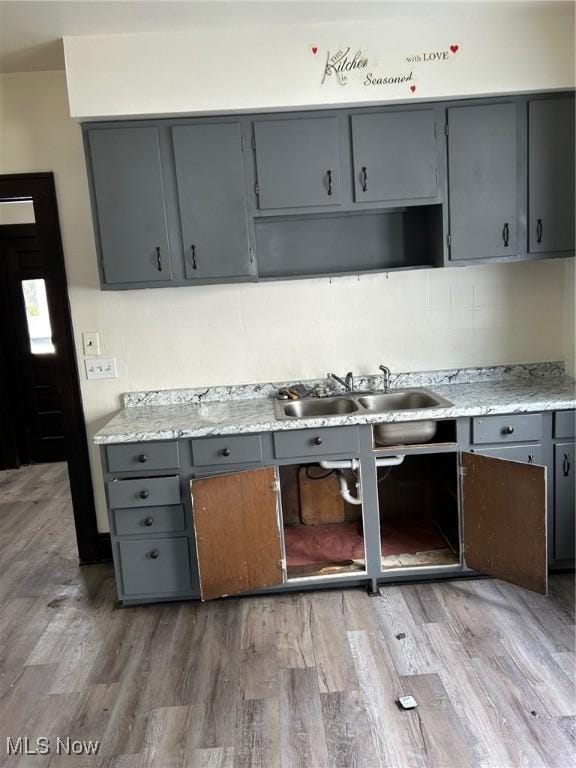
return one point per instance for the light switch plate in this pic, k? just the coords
(101, 368)
(91, 343)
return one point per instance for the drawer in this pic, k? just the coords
(132, 456)
(515, 428)
(565, 424)
(237, 449)
(316, 442)
(154, 566)
(148, 520)
(144, 492)
(529, 454)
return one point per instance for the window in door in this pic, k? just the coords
(38, 317)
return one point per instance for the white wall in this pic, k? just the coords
(503, 47)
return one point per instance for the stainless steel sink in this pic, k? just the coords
(388, 433)
(330, 406)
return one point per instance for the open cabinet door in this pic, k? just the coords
(238, 538)
(504, 520)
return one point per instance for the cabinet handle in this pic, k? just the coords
(142, 458)
(506, 235)
(317, 441)
(154, 554)
(530, 459)
(149, 522)
(539, 231)
(193, 249)
(329, 174)
(508, 430)
(364, 179)
(144, 494)
(225, 451)
(566, 465)
(158, 259)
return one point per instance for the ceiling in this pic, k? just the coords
(31, 31)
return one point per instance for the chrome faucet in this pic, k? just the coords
(347, 382)
(385, 378)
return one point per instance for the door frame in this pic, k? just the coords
(93, 546)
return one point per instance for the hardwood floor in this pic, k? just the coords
(294, 680)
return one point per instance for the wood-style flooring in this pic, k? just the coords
(298, 681)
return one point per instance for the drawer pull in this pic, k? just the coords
(508, 430)
(144, 494)
(566, 465)
(154, 554)
(317, 441)
(530, 459)
(149, 522)
(364, 178)
(142, 458)
(225, 451)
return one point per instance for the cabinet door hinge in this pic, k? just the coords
(253, 142)
(242, 143)
(449, 240)
(462, 471)
(251, 252)
(436, 176)
(276, 486)
(257, 189)
(445, 129)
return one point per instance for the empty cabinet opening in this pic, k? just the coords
(348, 243)
(418, 507)
(323, 529)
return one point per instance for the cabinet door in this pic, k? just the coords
(211, 196)
(394, 156)
(504, 520)
(237, 525)
(129, 203)
(483, 182)
(298, 162)
(564, 501)
(551, 175)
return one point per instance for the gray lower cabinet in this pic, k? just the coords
(211, 199)
(394, 155)
(483, 181)
(298, 162)
(551, 180)
(129, 205)
(564, 501)
(154, 566)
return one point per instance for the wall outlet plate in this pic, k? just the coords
(101, 368)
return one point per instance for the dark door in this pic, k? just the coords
(394, 156)
(211, 197)
(298, 162)
(504, 520)
(31, 371)
(237, 527)
(564, 501)
(129, 201)
(551, 175)
(482, 176)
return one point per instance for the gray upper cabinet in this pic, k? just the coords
(483, 182)
(551, 200)
(394, 156)
(128, 197)
(211, 198)
(298, 162)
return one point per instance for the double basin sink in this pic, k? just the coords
(387, 433)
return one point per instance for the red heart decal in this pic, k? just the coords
(314, 50)
(412, 88)
(454, 48)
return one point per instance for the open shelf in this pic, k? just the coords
(330, 244)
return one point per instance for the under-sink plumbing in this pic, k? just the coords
(354, 464)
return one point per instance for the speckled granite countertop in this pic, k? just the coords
(476, 392)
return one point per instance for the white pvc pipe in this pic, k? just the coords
(389, 461)
(345, 491)
(345, 464)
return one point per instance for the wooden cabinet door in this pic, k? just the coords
(482, 176)
(129, 205)
(394, 156)
(298, 162)
(238, 535)
(504, 520)
(211, 197)
(564, 501)
(551, 180)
